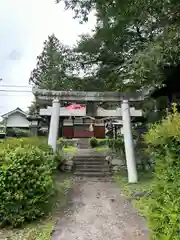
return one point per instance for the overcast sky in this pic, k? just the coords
(24, 25)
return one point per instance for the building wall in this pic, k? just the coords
(68, 132)
(81, 131)
(17, 120)
(99, 131)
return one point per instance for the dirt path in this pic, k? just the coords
(99, 212)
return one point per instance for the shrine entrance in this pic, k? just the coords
(83, 129)
(92, 98)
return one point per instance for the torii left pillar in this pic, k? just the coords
(128, 142)
(54, 124)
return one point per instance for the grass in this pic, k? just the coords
(69, 152)
(101, 148)
(42, 229)
(70, 149)
(144, 184)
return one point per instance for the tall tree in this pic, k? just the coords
(33, 108)
(51, 71)
(135, 32)
(59, 68)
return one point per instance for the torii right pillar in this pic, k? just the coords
(129, 144)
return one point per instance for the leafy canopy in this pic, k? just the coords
(137, 34)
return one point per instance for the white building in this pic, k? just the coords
(16, 119)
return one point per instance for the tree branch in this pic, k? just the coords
(141, 38)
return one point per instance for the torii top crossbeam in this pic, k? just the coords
(47, 95)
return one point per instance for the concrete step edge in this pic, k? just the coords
(91, 170)
(92, 173)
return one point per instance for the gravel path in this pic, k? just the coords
(99, 212)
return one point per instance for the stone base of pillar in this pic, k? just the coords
(34, 131)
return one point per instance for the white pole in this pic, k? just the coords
(54, 124)
(128, 141)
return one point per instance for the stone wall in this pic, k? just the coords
(117, 162)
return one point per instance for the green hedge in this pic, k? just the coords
(117, 145)
(95, 142)
(41, 143)
(102, 142)
(26, 184)
(17, 132)
(163, 140)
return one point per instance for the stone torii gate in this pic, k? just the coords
(46, 96)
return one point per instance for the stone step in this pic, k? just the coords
(92, 174)
(93, 162)
(90, 157)
(92, 166)
(84, 145)
(80, 179)
(92, 170)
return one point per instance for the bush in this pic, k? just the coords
(26, 184)
(163, 140)
(101, 142)
(93, 142)
(116, 144)
(17, 132)
(64, 143)
(41, 143)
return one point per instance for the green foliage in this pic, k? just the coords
(26, 184)
(64, 143)
(33, 108)
(57, 68)
(151, 65)
(42, 229)
(116, 144)
(128, 43)
(35, 141)
(17, 132)
(93, 142)
(163, 140)
(51, 158)
(101, 142)
(50, 72)
(144, 185)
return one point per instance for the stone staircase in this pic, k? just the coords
(90, 163)
(83, 143)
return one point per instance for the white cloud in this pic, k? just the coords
(24, 25)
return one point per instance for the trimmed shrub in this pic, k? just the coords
(26, 184)
(102, 142)
(41, 143)
(93, 142)
(17, 132)
(163, 141)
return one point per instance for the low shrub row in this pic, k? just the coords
(94, 142)
(144, 161)
(17, 132)
(26, 179)
(116, 144)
